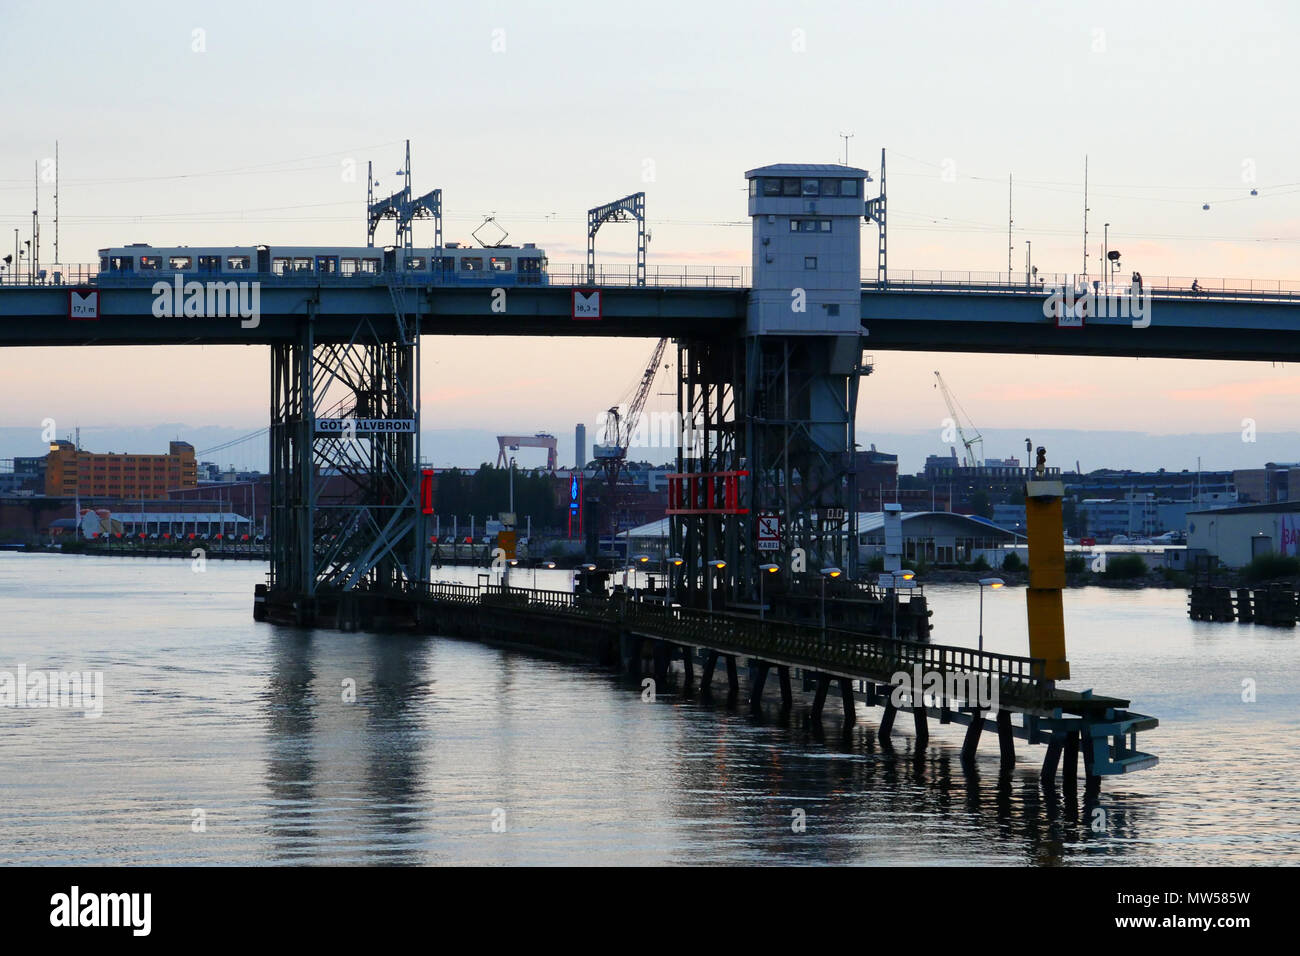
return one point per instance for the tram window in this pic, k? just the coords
(301, 265)
(180, 262)
(151, 262)
(279, 266)
(848, 187)
(209, 263)
(348, 266)
(530, 265)
(122, 263)
(830, 187)
(500, 264)
(471, 264)
(753, 187)
(370, 266)
(823, 225)
(789, 187)
(810, 188)
(445, 264)
(103, 263)
(237, 263)
(771, 186)
(415, 262)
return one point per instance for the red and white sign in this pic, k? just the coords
(83, 304)
(769, 532)
(586, 303)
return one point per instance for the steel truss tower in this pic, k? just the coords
(345, 512)
(774, 417)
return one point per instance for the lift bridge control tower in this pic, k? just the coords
(778, 404)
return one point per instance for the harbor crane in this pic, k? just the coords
(621, 421)
(971, 459)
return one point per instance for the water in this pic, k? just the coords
(208, 711)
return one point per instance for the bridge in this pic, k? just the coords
(769, 361)
(1240, 319)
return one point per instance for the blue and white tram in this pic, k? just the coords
(453, 263)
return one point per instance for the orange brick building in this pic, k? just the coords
(69, 471)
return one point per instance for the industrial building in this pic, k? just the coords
(938, 537)
(1237, 535)
(70, 471)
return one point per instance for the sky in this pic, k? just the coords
(244, 123)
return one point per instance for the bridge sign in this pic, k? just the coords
(83, 304)
(586, 303)
(365, 426)
(769, 532)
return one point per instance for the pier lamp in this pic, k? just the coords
(716, 565)
(900, 578)
(671, 563)
(992, 584)
(639, 561)
(766, 569)
(827, 573)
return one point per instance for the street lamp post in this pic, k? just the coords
(670, 563)
(903, 574)
(764, 569)
(827, 573)
(640, 559)
(716, 565)
(992, 584)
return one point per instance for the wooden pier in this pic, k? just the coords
(1272, 605)
(642, 639)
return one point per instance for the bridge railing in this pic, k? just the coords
(657, 276)
(1019, 678)
(531, 596)
(559, 274)
(1019, 283)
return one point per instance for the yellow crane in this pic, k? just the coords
(972, 458)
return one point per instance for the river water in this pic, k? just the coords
(227, 741)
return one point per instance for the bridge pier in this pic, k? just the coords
(887, 719)
(629, 646)
(919, 718)
(662, 651)
(819, 695)
(757, 678)
(787, 696)
(688, 664)
(1050, 760)
(972, 740)
(850, 705)
(733, 678)
(1006, 740)
(1070, 767)
(706, 677)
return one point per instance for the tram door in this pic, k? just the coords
(263, 259)
(327, 265)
